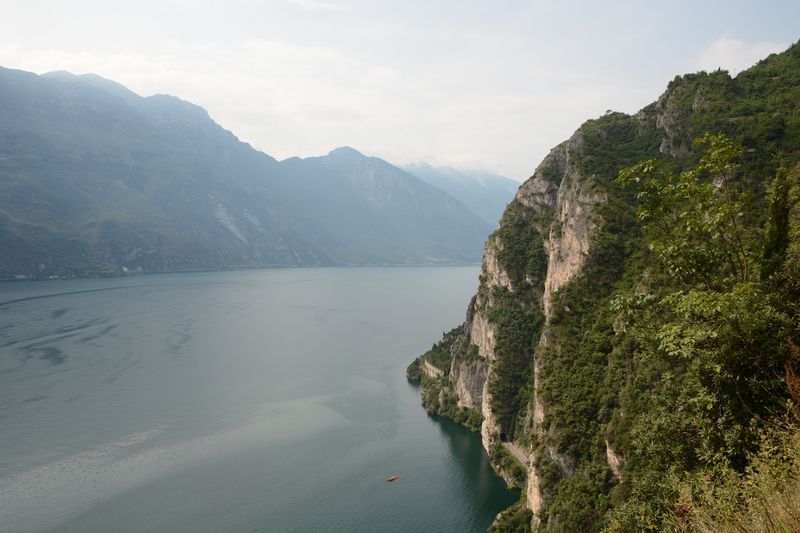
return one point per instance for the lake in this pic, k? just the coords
(269, 400)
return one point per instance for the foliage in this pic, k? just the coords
(580, 502)
(414, 372)
(439, 357)
(436, 393)
(516, 519)
(776, 238)
(731, 347)
(765, 498)
(516, 313)
(614, 141)
(431, 392)
(758, 108)
(505, 461)
(521, 249)
(719, 329)
(518, 326)
(694, 221)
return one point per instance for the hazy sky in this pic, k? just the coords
(466, 83)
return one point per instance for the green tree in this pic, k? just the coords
(720, 329)
(694, 221)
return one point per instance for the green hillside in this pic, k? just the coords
(642, 299)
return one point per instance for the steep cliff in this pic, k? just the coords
(544, 354)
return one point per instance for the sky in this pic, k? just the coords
(471, 84)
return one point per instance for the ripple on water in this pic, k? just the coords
(54, 356)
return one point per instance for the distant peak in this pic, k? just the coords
(346, 151)
(92, 80)
(58, 74)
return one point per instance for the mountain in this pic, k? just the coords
(386, 214)
(631, 356)
(96, 180)
(486, 194)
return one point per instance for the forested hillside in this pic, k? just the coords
(635, 331)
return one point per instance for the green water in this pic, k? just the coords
(270, 400)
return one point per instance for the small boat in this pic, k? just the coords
(392, 478)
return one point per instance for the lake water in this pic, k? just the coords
(271, 400)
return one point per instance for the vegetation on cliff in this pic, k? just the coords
(673, 349)
(436, 391)
(663, 373)
(516, 316)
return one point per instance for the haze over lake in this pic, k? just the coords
(271, 400)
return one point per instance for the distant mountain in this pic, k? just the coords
(96, 180)
(385, 213)
(486, 194)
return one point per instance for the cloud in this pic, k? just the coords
(734, 55)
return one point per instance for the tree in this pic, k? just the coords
(694, 220)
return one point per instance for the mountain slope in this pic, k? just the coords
(421, 223)
(97, 180)
(484, 193)
(634, 339)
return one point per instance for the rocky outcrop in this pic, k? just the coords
(567, 241)
(469, 380)
(482, 334)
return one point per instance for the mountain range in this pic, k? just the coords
(96, 180)
(484, 193)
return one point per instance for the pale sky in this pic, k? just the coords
(463, 83)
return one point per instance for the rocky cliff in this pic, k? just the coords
(543, 355)
(559, 202)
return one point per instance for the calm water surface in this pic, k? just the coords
(270, 400)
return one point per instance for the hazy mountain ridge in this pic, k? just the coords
(97, 180)
(485, 193)
(402, 209)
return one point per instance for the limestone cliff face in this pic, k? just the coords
(469, 376)
(558, 200)
(567, 238)
(560, 204)
(482, 332)
(567, 244)
(542, 246)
